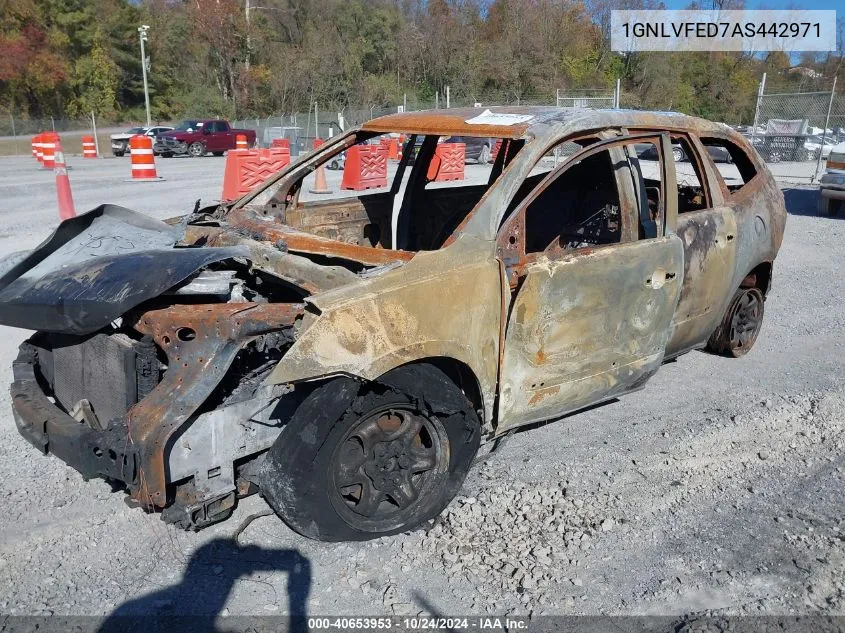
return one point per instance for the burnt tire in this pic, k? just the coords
(360, 461)
(740, 326)
(829, 207)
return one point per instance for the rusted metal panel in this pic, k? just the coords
(295, 269)
(302, 242)
(200, 342)
(452, 122)
(443, 303)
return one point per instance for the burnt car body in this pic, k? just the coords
(346, 357)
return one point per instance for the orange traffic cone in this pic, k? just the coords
(320, 184)
(66, 208)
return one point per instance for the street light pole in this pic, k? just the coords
(142, 31)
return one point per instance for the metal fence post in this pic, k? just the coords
(757, 107)
(14, 135)
(824, 130)
(96, 141)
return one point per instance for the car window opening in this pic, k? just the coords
(744, 169)
(389, 190)
(579, 208)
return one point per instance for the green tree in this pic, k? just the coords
(95, 83)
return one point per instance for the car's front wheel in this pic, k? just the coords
(196, 149)
(677, 154)
(360, 461)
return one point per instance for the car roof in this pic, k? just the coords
(542, 121)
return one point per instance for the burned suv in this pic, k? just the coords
(345, 356)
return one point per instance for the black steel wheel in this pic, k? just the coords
(387, 465)
(359, 461)
(741, 324)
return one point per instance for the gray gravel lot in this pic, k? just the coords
(717, 488)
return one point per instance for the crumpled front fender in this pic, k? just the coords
(96, 267)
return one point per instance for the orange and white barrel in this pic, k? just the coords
(240, 142)
(39, 149)
(143, 161)
(89, 147)
(48, 149)
(35, 147)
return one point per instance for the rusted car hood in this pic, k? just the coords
(94, 268)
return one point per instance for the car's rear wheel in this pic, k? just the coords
(484, 155)
(334, 165)
(740, 325)
(358, 462)
(829, 207)
(196, 149)
(677, 154)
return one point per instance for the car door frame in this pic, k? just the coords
(708, 235)
(525, 397)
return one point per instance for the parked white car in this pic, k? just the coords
(832, 183)
(814, 144)
(120, 141)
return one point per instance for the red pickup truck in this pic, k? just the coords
(197, 138)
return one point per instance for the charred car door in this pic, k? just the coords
(595, 270)
(707, 227)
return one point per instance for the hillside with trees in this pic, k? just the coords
(240, 58)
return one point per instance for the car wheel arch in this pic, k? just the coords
(458, 371)
(760, 277)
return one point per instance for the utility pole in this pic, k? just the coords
(248, 42)
(142, 32)
(824, 131)
(760, 92)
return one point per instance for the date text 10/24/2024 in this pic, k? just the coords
(419, 623)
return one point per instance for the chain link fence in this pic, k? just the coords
(800, 127)
(301, 128)
(587, 99)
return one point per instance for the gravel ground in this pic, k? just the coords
(717, 489)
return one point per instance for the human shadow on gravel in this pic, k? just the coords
(194, 605)
(802, 201)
